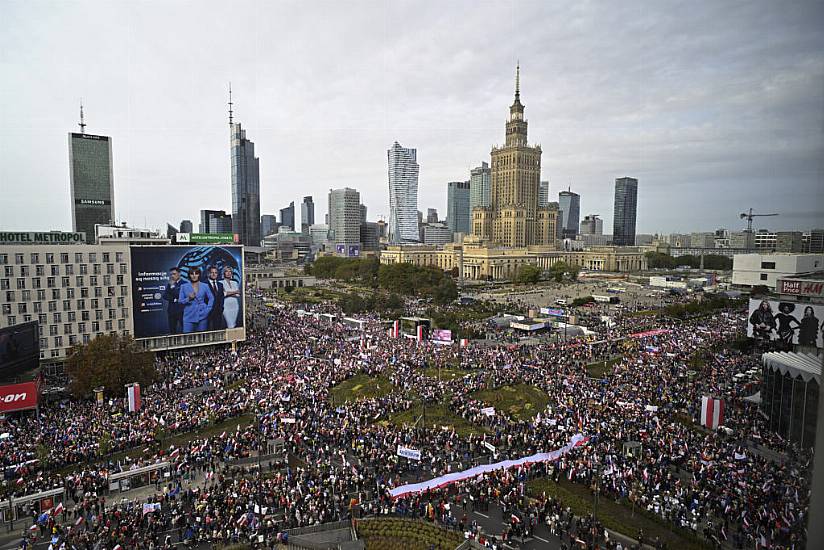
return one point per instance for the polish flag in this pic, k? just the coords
(79, 520)
(464, 342)
(712, 412)
(133, 391)
(420, 333)
(396, 329)
(174, 453)
(58, 509)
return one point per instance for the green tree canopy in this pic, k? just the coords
(111, 361)
(528, 273)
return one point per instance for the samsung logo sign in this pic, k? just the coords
(92, 202)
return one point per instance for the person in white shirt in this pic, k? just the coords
(231, 298)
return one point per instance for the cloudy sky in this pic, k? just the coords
(714, 106)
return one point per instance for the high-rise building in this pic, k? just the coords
(92, 180)
(431, 215)
(307, 214)
(363, 211)
(815, 241)
(186, 226)
(513, 217)
(268, 225)
(458, 216)
(592, 225)
(570, 205)
(626, 203)
(245, 184)
(370, 236)
(215, 221)
(403, 194)
(543, 193)
(319, 233)
(435, 234)
(479, 186)
(344, 217)
(287, 216)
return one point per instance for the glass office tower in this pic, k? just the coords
(92, 182)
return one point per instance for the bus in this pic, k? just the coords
(606, 299)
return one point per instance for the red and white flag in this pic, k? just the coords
(133, 391)
(419, 333)
(396, 329)
(464, 342)
(58, 509)
(712, 412)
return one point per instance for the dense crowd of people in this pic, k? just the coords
(737, 487)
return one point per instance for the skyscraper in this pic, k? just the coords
(287, 216)
(92, 181)
(215, 221)
(403, 194)
(344, 218)
(479, 186)
(268, 225)
(307, 215)
(363, 211)
(457, 206)
(245, 184)
(570, 205)
(513, 217)
(543, 193)
(186, 226)
(626, 203)
(592, 225)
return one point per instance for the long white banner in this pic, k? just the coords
(442, 481)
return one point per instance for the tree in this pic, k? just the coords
(446, 292)
(528, 273)
(561, 270)
(111, 361)
(657, 260)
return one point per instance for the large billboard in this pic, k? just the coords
(786, 321)
(185, 289)
(19, 397)
(19, 349)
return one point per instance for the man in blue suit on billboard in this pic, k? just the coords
(174, 309)
(216, 315)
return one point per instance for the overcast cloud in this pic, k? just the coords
(714, 106)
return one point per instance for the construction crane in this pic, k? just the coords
(749, 216)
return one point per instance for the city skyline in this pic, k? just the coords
(704, 113)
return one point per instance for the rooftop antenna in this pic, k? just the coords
(82, 123)
(230, 103)
(518, 79)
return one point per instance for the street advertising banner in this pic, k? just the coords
(186, 289)
(790, 322)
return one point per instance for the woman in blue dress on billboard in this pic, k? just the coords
(197, 303)
(231, 298)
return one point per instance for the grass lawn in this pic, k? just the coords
(642, 313)
(614, 516)
(446, 373)
(361, 386)
(437, 415)
(600, 369)
(521, 401)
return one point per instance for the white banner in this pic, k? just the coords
(287, 420)
(447, 479)
(490, 446)
(488, 411)
(411, 454)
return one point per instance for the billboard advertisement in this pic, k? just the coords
(786, 321)
(441, 335)
(19, 349)
(552, 312)
(185, 289)
(348, 250)
(19, 397)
